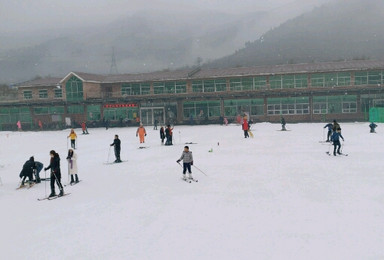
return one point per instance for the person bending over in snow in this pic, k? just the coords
(187, 158)
(330, 127)
(335, 126)
(72, 166)
(54, 165)
(141, 132)
(335, 138)
(73, 137)
(372, 126)
(27, 171)
(117, 144)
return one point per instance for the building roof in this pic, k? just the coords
(40, 82)
(202, 73)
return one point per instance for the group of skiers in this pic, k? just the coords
(166, 133)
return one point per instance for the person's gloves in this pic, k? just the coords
(178, 161)
(145, 135)
(192, 163)
(45, 168)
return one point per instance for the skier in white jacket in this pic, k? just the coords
(187, 158)
(72, 166)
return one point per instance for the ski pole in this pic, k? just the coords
(109, 153)
(45, 183)
(58, 182)
(179, 137)
(200, 170)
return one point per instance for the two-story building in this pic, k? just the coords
(313, 92)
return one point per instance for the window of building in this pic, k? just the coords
(275, 82)
(159, 87)
(288, 81)
(181, 87)
(135, 89)
(27, 94)
(41, 110)
(288, 106)
(361, 78)
(197, 86)
(74, 89)
(201, 110)
(330, 79)
(75, 109)
(14, 114)
(43, 93)
(317, 80)
(120, 113)
(301, 81)
(335, 104)
(374, 77)
(93, 112)
(260, 82)
(234, 107)
(58, 93)
(236, 84)
(344, 79)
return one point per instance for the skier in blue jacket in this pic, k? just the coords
(335, 138)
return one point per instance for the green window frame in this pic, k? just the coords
(344, 79)
(288, 81)
(181, 87)
(260, 82)
(197, 86)
(43, 93)
(301, 81)
(135, 89)
(234, 107)
(93, 112)
(75, 109)
(58, 93)
(374, 77)
(124, 113)
(27, 94)
(276, 82)
(288, 106)
(74, 89)
(159, 88)
(361, 78)
(201, 109)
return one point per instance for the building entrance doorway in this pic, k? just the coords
(148, 115)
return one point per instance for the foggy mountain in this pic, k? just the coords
(344, 30)
(142, 42)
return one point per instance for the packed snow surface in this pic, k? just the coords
(275, 196)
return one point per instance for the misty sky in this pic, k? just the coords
(30, 15)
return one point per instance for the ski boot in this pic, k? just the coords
(61, 193)
(72, 180)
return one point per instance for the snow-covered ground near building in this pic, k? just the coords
(275, 196)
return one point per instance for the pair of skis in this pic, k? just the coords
(189, 180)
(54, 197)
(330, 154)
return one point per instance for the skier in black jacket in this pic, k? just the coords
(330, 127)
(162, 135)
(54, 165)
(27, 171)
(117, 144)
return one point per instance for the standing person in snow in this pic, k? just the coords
(27, 171)
(335, 138)
(72, 135)
(245, 127)
(187, 158)
(330, 127)
(84, 128)
(117, 144)
(162, 135)
(283, 123)
(372, 126)
(141, 132)
(18, 126)
(168, 135)
(155, 125)
(72, 166)
(335, 126)
(225, 121)
(54, 165)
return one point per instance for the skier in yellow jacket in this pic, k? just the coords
(73, 138)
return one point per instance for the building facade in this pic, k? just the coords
(316, 92)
